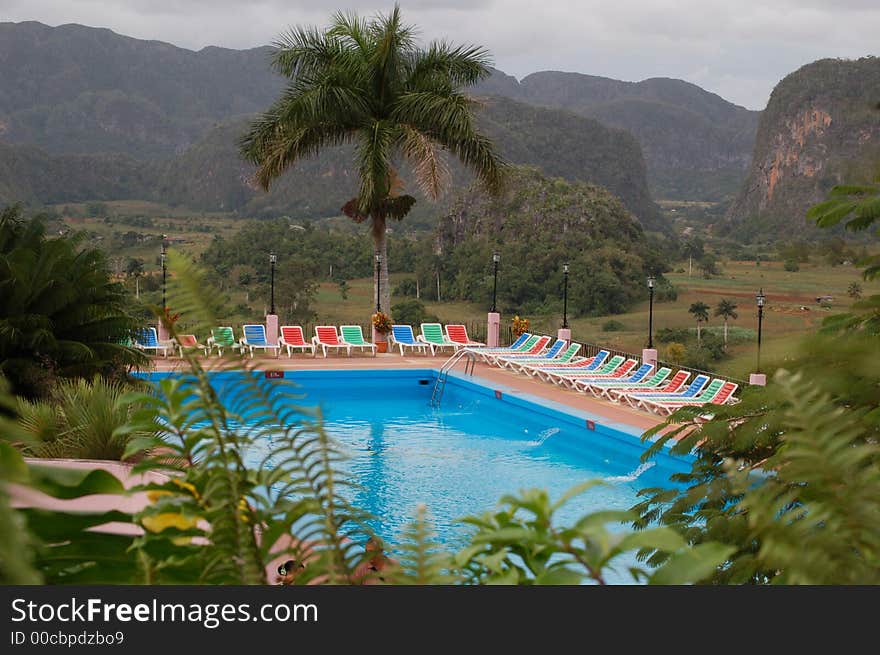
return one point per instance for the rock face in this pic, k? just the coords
(821, 128)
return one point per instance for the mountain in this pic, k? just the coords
(170, 118)
(821, 128)
(210, 175)
(696, 144)
(74, 89)
(536, 224)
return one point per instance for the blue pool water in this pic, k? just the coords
(461, 458)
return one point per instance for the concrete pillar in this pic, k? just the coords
(272, 328)
(758, 379)
(381, 340)
(493, 329)
(564, 333)
(162, 331)
(649, 356)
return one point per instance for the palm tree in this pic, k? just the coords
(726, 309)
(700, 311)
(693, 248)
(366, 82)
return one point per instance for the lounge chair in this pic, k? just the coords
(255, 337)
(673, 385)
(524, 346)
(591, 385)
(189, 342)
(707, 395)
(516, 346)
(637, 399)
(528, 365)
(718, 392)
(327, 337)
(432, 334)
(536, 353)
(536, 349)
(292, 338)
(583, 364)
(403, 337)
(353, 335)
(617, 373)
(557, 375)
(222, 337)
(605, 389)
(148, 340)
(458, 334)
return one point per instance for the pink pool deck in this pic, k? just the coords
(483, 374)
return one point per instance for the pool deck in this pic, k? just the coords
(489, 375)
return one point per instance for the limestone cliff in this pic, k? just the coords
(821, 128)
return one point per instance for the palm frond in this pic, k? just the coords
(430, 167)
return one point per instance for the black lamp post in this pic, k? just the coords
(378, 282)
(760, 298)
(496, 257)
(565, 296)
(163, 257)
(273, 258)
(651, 281)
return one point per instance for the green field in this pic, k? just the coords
(784, 319)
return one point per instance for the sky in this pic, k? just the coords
(738, 49)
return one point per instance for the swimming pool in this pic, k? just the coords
(459, 459)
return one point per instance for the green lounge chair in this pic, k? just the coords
(353, 335)
(432, 334)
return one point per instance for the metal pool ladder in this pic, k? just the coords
(448, 365)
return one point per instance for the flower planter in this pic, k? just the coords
(382, 346)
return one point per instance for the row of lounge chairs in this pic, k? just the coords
(433, 338)
(615, 378)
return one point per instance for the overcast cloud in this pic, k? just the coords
(736, 48)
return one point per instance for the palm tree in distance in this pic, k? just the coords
(726, 309)
(700, 311)
(368, 83)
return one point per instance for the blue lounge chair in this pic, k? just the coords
(255, 337)
(148, 340)
(637, 400)
(403, 337)
(593, 386)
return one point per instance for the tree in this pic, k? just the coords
(854, 290)
(700, 312)
(61, 313)
(726, 309)
(693, 248)
(709, 264)
(367, 82)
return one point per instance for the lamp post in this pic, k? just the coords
(565, 296)
(378, 282)
(273, 258)
(496, 258)
(163, 256)
(759, 299)
(651, 281)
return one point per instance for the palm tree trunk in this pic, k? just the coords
(381, 245)
(698, 332)
(725, 333)
(690, 264)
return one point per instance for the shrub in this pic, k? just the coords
(613, 326)
(675, 352)
(411, 312)
(406, 287)
(520, 325)
(791, 266)
(669, 335)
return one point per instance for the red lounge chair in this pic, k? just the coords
(292, 337)
(327, 337)
(458, 335)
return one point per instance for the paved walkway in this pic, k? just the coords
(490, 375)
